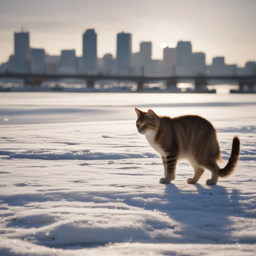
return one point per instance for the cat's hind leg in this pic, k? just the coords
(198, 172)
(213, 168)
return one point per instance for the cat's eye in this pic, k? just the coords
(137, 125)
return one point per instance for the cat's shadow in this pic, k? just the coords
(205, 211)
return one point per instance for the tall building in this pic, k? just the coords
(198, 63)
(38, 60)
(90, 51)
(123, 53)
(184, 58)
(169, 61)
(136, 63)
(108, 63)
(4, 67)
(20, 62)
(68, 62)
(146, 52)
(218, 66)
(250, 68)
(21, 45)
(51, 64)
(231, 70)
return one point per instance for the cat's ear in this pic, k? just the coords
(138, 112)
(152, 114)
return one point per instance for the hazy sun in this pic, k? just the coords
(163, 45)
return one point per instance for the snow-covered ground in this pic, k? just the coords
(77, 179)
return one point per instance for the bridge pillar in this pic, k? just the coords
(90, 83)
(27, 82)
(249, 84)
(140, 86)
(200, 85)
(251, 87)
(32, 82)
(241, 87)
(171, 85)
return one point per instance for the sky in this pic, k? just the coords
(216, 27)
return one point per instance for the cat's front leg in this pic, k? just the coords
(165, 165)
(169, 163)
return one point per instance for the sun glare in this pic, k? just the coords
(163, 45)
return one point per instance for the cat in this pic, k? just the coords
(188, 137)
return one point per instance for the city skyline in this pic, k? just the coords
(179, 60)
(218, 28)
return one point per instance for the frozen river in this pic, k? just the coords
(32, 108)
(77, 179)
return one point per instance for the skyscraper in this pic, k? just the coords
(218, 66)
(51, 63)
(136, 62)
(90, 51)
(108, 63)
(169, 60)
(198, 63)
(250, 68)
(146, 52)
(123, 53)
(184, 58)
(38, 60)
(68, 62)
(21, 60)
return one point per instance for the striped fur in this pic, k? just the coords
(189, 137)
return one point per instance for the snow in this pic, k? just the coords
(77, 179)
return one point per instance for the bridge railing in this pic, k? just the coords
(200, 81)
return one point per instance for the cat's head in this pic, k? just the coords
(146, 121)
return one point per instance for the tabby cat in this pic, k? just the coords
(187, 137)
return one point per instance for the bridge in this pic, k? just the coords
(200, 81)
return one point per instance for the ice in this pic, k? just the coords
(77, 179)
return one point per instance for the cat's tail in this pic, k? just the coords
(233, 159)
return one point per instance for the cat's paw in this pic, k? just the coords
(210, 182)
(191, 181)
(164, 180)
